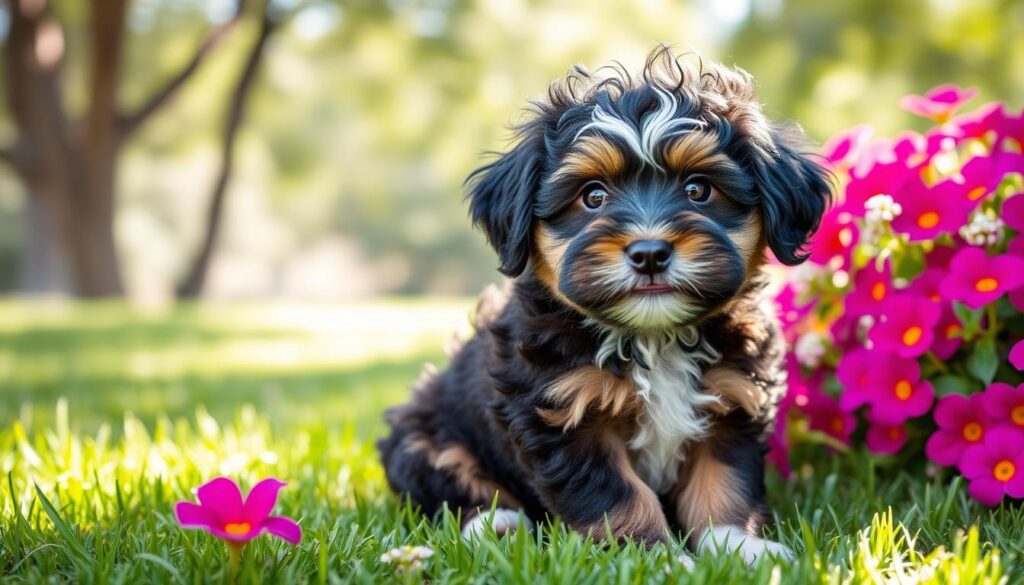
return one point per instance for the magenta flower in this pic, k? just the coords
(981, 123)
(852, 371)
(995, 466)
(977, 279)
(1016, 248)
(897, 391)
(1017, 355)
(886, 439)
(871, 288)
(222, 513)
(790, 310)
(1005, 404)
(824, 415)
(907, 326)
(938, 104)
(835, 238)
(947, 334)
(962, 422)
(844, 149)
(928, 212)
(1013, 212)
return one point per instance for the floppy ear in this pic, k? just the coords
(795, 191)
(501, 199)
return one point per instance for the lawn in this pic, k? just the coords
(109, 415)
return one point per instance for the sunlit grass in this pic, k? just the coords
(87, 490)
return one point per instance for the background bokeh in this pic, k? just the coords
(366, 115)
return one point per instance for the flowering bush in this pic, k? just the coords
(906, 323)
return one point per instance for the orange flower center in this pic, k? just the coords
(952, 330)
(912, 335)
(976, 193)
(1004, 470)
(894, 433)
(928, 220)
(878, 291)
(987, 284)
(837, 424)
(237, 528)
(904, 389)
(1017, 415)
(972, 432)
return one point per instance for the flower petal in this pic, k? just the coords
(1017, 355)
(261, 500)
(223, 498)
(976, 462)
(283, 528)
(986, 490)
(944, 448)
(191, 515)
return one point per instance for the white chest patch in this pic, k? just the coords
(672, 390)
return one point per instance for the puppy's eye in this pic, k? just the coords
(594, 195)
(697, 189)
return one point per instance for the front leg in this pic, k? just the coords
(579, 462)
(720, 497)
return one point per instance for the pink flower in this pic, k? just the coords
(1017, 355)
(929, 212)
(907, 326)
(845, 148)
(222, 513)
(962, 422)
(938, 104)
(825, 415)
(835, 238)
(1005, 404)
(981, 175)
(871, 287)
(790, 310)
(852, 371)
(1013, 212)
(928, 284)
(995, 466)
(1016, 248)
(886, 439)
(947, 334)
(976, 279)
(989, 118)
(898, 393)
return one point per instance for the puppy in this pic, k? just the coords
(629, 374)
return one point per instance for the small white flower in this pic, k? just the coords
(407, 557)
(809, 349)
(983, 230)
(881, 208)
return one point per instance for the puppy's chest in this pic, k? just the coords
(674, 411)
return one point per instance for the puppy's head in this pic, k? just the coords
(646, 203)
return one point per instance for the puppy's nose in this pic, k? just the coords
(649, 256)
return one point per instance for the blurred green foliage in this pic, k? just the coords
(369, 114)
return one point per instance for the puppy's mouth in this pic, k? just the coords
(656, 288)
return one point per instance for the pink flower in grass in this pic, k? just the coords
(928, 212)
(940, 103)
(995, 467)
(1005, 404)
(222, 512)
(1017, 355)
(977, 279)
(962, 422)
(886, 439)
(897, 391)
(907, 326)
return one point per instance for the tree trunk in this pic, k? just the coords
(43, 268)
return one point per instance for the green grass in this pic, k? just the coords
(108, 416)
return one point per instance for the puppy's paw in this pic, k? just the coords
(503, 521)
(729, 539)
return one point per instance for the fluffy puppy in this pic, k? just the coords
(629, 374)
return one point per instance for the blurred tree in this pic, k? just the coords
(69, 165)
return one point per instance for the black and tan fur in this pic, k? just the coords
(557, 406)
